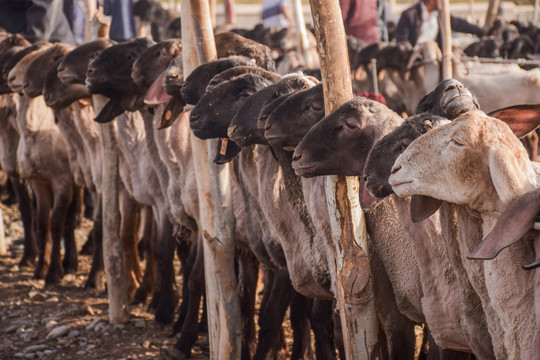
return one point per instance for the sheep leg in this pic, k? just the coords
(167, 295)
(147, 283)
(299, 316)
(323, 329)
(271, 318)
(248, 275)
(70, 261)
(186, 268)
(61, 202)
(96, 277)
(43, 198)
(25, 208)
(189, 332)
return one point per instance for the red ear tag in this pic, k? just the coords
(223, 149)
(168, 115)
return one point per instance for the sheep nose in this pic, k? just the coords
(194, 117)
(267, 126)
(366, 178)
(395, 169)
(26, 84)
(60, 68)
(172, 76)
(296, 156)
(11, 78)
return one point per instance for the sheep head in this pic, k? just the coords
(475, 160)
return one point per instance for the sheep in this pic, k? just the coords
(42, 160)
(147, 173)
(483, 80)
(329, 142)
(10, 46)
(251, 168)
(495, 172)
(61, 85)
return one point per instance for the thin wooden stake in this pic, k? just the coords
(354, 284)
(113, 255)
(446, 39)
(215, 204)
(491, 14)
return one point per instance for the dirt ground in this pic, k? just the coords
(66, 321)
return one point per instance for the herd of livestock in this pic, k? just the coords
(449, 191)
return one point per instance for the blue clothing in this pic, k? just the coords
(122, 19)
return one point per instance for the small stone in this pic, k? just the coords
(52, 299)
(51, 324)
(80, 352)
(19, 355)
(40, 354)
(57, 332)
(74, 333)
(49, 351)
(32, 294)
(30, 356)
(35, 348)
(106, 334)
(92, 324)
(11, 329)
(140, 324)
(21, 330)
(14, 268)
(98, 327)
(146, 344)
(90, 347)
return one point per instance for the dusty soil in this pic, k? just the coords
(67, 321)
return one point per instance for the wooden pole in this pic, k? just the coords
(470, 15)
(354, 284)
(446, 39)
(215, 203)
(493, 7)
(301, 34)
(535, 13)
(113, 257)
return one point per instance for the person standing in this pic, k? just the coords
(36, 20)
(360, 18)
(421, 22)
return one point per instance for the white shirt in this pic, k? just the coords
(430, 25)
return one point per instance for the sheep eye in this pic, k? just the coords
(350, 126)
(455, 142)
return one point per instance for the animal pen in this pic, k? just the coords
(351, 257)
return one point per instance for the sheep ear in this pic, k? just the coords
(172, 110)
(227, 150)
(156, 93)
(111, 110)
(522, 119)
(422, 207)
(508, 177)
(516, 220)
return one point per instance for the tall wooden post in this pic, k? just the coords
(215, 203)
(535, 13)
(493, 7)
(113, 257)
(446, 39)
(354, 284)
(301, 34)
